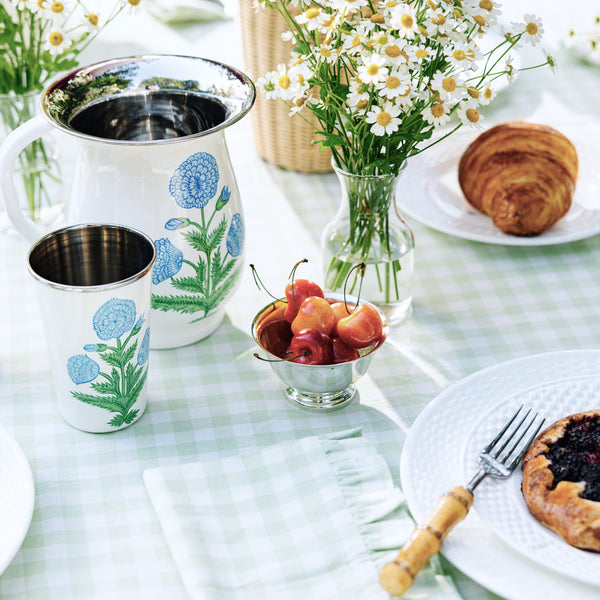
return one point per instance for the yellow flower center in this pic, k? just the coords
(531, 28)
(362, 104)
(431, 4)
(437, 109)
(457, 14)
(356, 41)
(56, 38)
(377, 19)
(133, 2)
(383, 119)
(392, 82)
(93, 19)
(405, 92)
(473, 92)
(472, 115)
(421, 53)
(459, 54)
(486, 4)
(423, 31)
(392, 51)
(325, 52)
(372, 70)
(382, 40)
(57, 7)
(312, 13)
(407, 21)
(479, 20)
(487, 93)
(300, 78)
(299, 102)
(391, 3)
(439, 19)
(284, 82)
(41, 4)
(449, 84)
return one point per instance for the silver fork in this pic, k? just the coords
(499, 459)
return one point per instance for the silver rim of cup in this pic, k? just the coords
(91, 257)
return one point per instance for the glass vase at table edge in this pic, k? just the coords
(38, 175)
(369, 229)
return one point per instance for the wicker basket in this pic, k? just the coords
(280, 139)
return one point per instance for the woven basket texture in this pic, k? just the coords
(280, 139)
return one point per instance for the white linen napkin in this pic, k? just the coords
(309, 519)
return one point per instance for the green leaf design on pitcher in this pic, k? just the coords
(209, 278)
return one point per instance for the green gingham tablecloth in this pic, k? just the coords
(95, 533)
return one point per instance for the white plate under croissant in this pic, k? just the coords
(430, 193)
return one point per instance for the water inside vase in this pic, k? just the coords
(149, 115)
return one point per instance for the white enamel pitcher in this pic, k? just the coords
(151, 154)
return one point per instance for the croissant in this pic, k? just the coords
(522, 175)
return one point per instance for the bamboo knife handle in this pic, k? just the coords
(425, 541)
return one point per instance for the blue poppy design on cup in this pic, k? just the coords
(194, 182)
(169, 259)
(143, 352)
(82, 369)
(235, 235)
(114, 318)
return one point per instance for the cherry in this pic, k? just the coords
(316, 313)
(295, 292)
(342, 352)
(340, 311)
(311, 347)
(362, 328)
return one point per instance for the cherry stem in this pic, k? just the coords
(259, 283)
(274, 360)
(362, 268)
(292, 275)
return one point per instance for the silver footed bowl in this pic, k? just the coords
(312, 387)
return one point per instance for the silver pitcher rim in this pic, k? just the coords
(67, 95)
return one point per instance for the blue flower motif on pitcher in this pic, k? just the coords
(195, 180)
(235, 236)
(169, 259)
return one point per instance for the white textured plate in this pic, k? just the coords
(17, 496)
(501, 503)
(434, 460)
(431, 194)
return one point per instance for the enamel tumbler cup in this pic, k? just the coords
(93, 284)
(150, 153)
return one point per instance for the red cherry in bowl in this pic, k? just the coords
(311, 347)
(314, 313)
(342, 352)
(362, 328)
(295, 294)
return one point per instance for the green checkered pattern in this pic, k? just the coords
(95, 533)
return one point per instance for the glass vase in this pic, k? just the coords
(37, 176)
(369, 229)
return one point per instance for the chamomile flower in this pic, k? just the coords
(325, 53)
(483, 12)
(313, 18)
(57, 41)
(268, 85)
(287, 87)
(468, 114)
(533, 29)
(482, 93)
(464, 55)
(350, 6)
(396, 52)
(448, 86)
(404, 19)
(358, 101)
(92, 22)
(509, 69)
(384, 120)
(551, 62)
(436, 114)
(56, 11)
(133, 6)
(373, 69)
(395, 84)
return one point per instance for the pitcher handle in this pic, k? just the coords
(14, 143)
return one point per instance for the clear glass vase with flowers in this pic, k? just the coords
(38, 40)
(386, 80)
